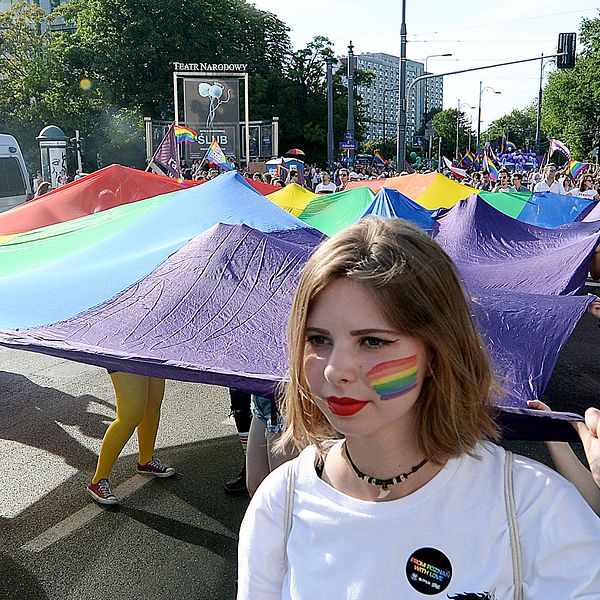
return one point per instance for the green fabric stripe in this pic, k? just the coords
(330, 213)
(509, 203)
(34, 249)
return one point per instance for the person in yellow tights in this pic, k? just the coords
(138, 407)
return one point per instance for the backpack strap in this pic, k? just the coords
(513, 526)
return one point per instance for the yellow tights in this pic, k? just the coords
(138, 405)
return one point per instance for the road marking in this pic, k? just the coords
(82, 517)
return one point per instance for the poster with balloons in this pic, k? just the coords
(212, 109)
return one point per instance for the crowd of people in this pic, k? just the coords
(386, 421)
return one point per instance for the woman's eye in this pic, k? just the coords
(317, 340)
(373, 342)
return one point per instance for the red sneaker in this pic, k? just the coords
(156, 468)
(101, 492)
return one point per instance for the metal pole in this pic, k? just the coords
(538, 125)
(457, 118)
(479, 118)
(350, 122)
(384, 93)
(330, 112)
(247, 119)
(426, 82)
(275, 149)
(440, 154)
(78, 150)
(401, 129)
(175, 99)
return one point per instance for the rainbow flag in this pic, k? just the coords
(185, 134)
(488, 165)
(468, 159)
(215, 155)
(576, 168)
(282, 170)
(378, 159)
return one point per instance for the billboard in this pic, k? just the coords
(212, 108)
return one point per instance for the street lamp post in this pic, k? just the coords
(538, 125)
(458, 107)
(427, 80)
(481, 90)
(401, 118)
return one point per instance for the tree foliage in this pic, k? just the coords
(125, 49)
(519, 127)
(444, 125)
(571, 99)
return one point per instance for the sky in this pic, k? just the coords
(476, 34)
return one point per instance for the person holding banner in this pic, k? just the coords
(399, 490)
(584, 188)
(550, 183)
(138, 402)
(567, 462)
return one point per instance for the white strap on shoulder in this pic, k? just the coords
(513, 526)
(289, 503)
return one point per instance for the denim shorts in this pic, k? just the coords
(261, 409)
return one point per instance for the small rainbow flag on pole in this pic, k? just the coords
(576, 168)
(378, 158)
(185, 134)
(490, 167)
(215, 155)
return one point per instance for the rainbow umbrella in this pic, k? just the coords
(295, 152)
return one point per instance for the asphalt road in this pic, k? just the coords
(171, 539)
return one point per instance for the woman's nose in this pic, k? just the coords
(342, 367)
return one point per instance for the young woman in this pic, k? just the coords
(415, 500)
(585, 188)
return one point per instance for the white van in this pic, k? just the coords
(15, 185)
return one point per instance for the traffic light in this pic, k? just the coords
(76, 145)
(566, 47)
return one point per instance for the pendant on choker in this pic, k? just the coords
(383, 484)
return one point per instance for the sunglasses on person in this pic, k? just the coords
(552, 170)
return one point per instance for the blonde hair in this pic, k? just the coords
(414, 284)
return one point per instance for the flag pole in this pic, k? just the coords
(158, 148)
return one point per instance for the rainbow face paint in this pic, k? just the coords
(394, 377)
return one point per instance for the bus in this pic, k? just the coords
(15, 185)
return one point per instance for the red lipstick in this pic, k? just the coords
(345, 407)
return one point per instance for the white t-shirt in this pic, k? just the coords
(555, 188)
(451, 533)
(325, 187)
(589, 194)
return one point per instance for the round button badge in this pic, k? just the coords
(429, 571)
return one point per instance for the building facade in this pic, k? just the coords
(380, 99)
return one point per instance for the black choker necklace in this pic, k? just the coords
(382, 483)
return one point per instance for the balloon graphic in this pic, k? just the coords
(204, 89)
(215, 93)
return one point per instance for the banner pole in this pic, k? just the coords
(247, 119)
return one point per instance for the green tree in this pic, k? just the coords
(444, 125)
(519, 126)
(387, 147)
(571, 99)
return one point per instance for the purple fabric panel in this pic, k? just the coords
(594, 214)
(524, 334)
(519, 424)
(214, 312)
(497, 252)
